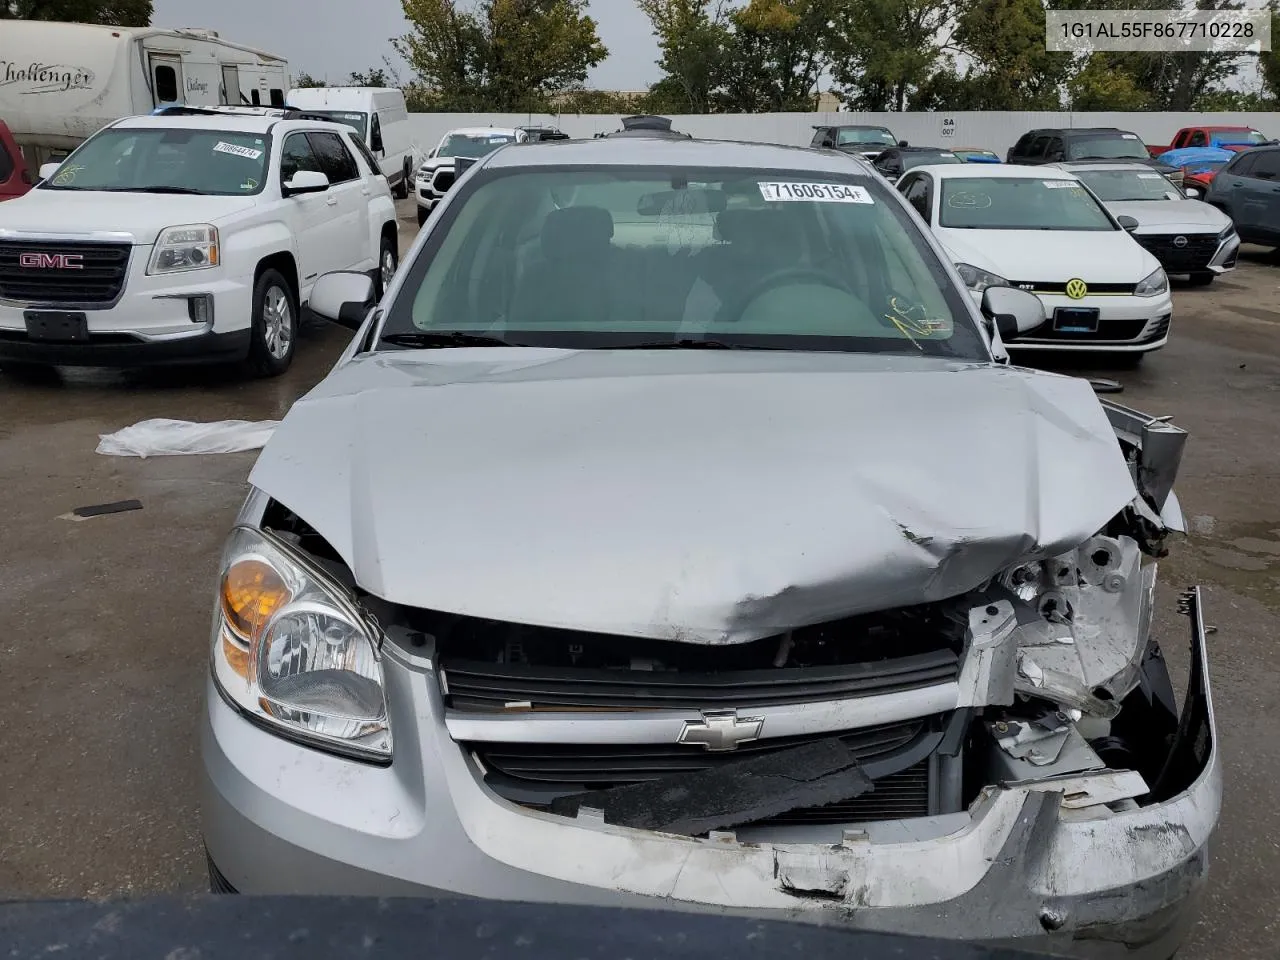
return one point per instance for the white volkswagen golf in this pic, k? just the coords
(1039, 229)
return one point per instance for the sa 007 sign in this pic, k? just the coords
(948, 126)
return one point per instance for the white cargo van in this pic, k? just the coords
(378, 115)
(62, 82)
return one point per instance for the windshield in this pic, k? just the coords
(1118, 185)
(865, 135)
(473, 145)
(356, 121)
(608, 257)
(1238, 137)
(159, 160)
(910, 160)
(1019, 203)
(1114, 147)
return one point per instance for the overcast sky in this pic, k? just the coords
(332, 45)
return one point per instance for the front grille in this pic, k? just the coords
(477, 686)
(535, 775)
(1194, 256)
(100, 279)
(1109, 331)
(443, 180)
(1058, 288)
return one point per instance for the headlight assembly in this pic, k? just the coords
(293, 653)
(190, 247)
(978, 280)
(1153, 285)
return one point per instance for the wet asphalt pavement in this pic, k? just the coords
(104, 623)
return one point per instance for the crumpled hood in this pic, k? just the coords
(1165, 216)
(1037, 256)
(710, 498)
(142, 216)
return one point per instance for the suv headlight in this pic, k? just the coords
(193, 246)
(1154, 285)
(978, 280)
(293, 653)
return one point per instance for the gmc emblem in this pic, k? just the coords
(51, 261)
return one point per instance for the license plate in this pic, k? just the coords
(57, 325)
(1075, 320)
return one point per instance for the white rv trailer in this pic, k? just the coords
(62, 82)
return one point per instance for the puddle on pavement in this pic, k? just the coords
(1240, 556)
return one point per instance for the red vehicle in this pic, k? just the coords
(15, 179)
(1234, 139)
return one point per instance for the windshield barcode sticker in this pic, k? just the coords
(1150, 176)
(1129, 136)
(237, 151)
(1060, 184)
(819, 192)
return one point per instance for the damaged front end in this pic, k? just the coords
(1002, 765)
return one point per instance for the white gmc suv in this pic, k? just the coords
(191, 235)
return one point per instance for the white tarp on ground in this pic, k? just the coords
(167, 438)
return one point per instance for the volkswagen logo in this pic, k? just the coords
(1077, 289)
(1179, 242)
(721, 730)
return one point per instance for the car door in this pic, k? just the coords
(1260, 201)
(316, 231)
(1055, 151)
(348, 198)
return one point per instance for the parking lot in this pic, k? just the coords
(104, 623)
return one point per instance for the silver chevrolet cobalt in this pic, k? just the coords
(675, 533)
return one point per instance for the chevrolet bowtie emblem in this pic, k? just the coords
(721, 730)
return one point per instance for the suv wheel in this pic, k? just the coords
(402, 188)
(388, 263)
(275, 325)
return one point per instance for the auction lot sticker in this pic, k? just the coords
(815, 192)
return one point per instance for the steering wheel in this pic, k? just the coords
(732, 310)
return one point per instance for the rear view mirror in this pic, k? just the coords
(1128, 223)
(1193, 193)
(344, 297)
(681, 201)
(306, 181)
(1013, 311)
(47, 170)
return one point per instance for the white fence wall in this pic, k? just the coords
(995, 131)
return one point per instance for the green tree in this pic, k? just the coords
(305, 79)
(776, 54)
(373, 77)
(1165, 81)
(694, 39)
(1010, 69)
(883, 52)
(1097, 84)
(1269, 60)
(119, 13)
(501, 55)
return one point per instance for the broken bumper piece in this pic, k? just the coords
(1052, 864)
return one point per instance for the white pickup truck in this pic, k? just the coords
(193, 235)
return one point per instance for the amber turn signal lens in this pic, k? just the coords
(251, 592)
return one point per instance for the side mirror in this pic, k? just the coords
(1128, 223)
(47, 170)
(1013, 311)
(903, 143)
(1193, 193)
(306, 181)
(344, 297)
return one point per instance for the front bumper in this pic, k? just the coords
(1126, 324)
(149, 322)
(1020, 866)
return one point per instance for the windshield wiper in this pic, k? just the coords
(157, 189)
(453, 338)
